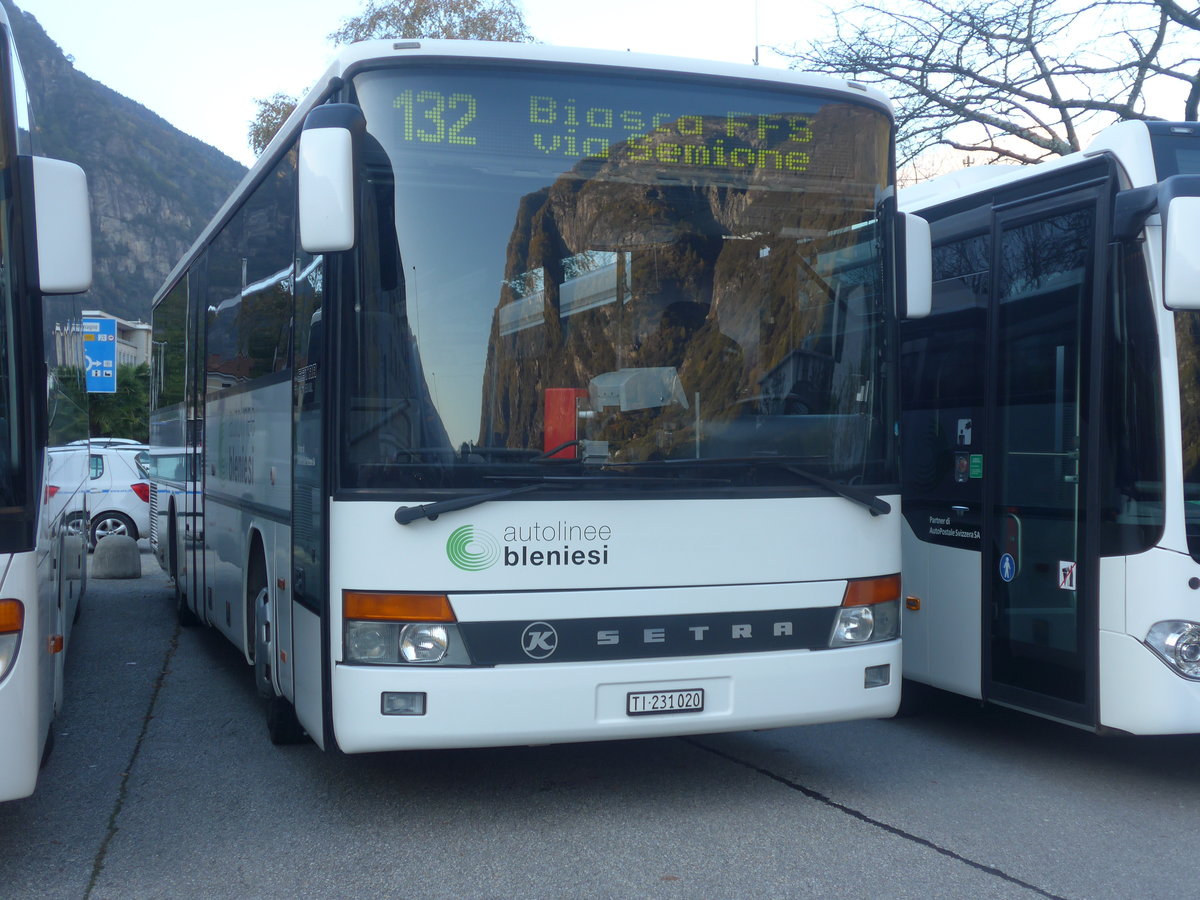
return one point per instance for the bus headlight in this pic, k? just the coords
(384, 628)
(12, 621)
(870, 612)
(1178, 643)
(401, 643)
(371, 641)
(424, 642)
(853, 626)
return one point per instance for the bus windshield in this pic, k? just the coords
(615, 277)
(12, 480)
(1177, 152)
(1187, 340)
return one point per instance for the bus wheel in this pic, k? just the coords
(183, 612)
(282, 724)
(262, 646)
(47, 748)
(915, 699)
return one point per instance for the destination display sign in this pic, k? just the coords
(561, 126)
(697, 129)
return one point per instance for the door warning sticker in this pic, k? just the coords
(1066, 575)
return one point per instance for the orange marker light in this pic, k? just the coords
(12, 616)
(383, 606)
(869, 591)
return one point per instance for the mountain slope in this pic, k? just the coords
(153, 188)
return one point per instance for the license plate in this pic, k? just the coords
(657, 703)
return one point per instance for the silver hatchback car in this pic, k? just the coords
(118, 489)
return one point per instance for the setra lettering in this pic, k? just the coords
(692, 633)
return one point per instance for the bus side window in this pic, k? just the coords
(943, 386)
(1131, 517)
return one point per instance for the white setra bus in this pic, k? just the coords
(45, 255)
(1051, 422)
(537, 395)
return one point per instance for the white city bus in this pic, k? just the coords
(544, 395)
(1051, 424)
(45, 250)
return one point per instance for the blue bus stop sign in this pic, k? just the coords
(100, 354)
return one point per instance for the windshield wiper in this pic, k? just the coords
(877, 506)
(406, 514)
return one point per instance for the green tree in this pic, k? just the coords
(272, 113)
(470, 20)
(124, 413)
(66, 400)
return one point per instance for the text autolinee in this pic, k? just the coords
(536, 544)
(587, 544)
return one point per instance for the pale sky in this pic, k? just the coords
(201, 65)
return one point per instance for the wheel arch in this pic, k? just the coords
(258, 577)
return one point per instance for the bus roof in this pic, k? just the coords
(354, 55)
(357, 56)
(1128, 142)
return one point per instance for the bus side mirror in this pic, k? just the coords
(64, 227)
(916, 253)
(326, 169)
(1181, 262)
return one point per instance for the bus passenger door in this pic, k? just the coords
(193, 496)
(1039, 615)
(310, 602)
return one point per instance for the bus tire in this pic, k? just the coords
(263, 650)
(282, 725)
(47, 748)
(183, 613)
(915, 699)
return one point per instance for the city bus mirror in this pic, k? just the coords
(326, 169)
(1181, 264)
(1131, 209)
(915, 284)
(64, 230)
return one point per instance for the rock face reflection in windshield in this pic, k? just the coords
(610, 272)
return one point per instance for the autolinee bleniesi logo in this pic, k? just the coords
(471, 549)
(537, 544)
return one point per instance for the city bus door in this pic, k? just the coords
(1039, 615)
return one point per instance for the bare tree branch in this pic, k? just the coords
(1018, 80)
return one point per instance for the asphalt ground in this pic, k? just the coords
(162, 783)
